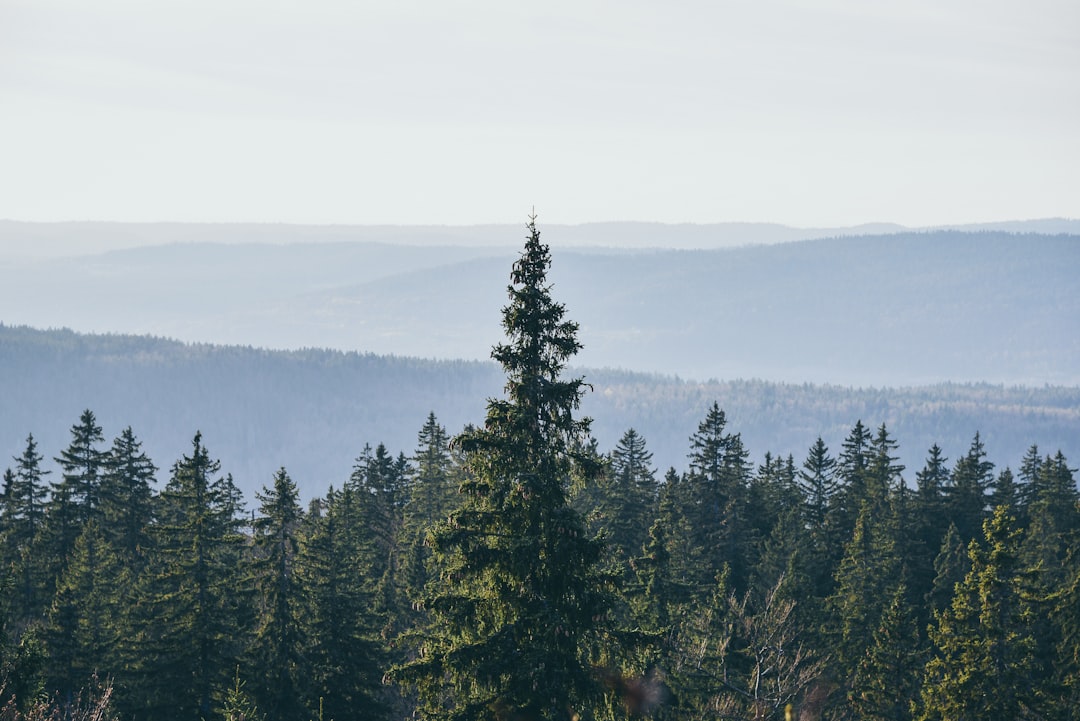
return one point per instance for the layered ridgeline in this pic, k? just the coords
(887, 310)
(315, 410)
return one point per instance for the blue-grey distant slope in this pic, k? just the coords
(314, 410)
(896, 309)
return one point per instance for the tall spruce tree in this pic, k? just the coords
(865, 580)
(84, 622)
(966, 498)
(819, 485)
(127, 497)
(627, 497)
(276, 652)
(432, 493)
(82, 463)
(339, 629)
(520, 609)
(852, 474)
(886, 682)
(193, 622)
(716, 489)
(929, 525)
(985, 664)
(27, 496)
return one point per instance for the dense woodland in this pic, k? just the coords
(516, 570)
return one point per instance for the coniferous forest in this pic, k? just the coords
(516, 570)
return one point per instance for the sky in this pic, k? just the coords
(811, 114)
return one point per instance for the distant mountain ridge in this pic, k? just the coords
(883, 310)
(66, 239)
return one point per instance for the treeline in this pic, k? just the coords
(313, 410)
(828, 582)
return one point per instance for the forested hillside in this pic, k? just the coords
(890, 310)
(315, 410)
(521, 571)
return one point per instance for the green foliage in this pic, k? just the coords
(190, 644)
(886, 683)
(984, 662)
(344, 661)
(277, 647)
(521, 608)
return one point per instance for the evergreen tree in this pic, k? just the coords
(191, 630)
(521, 608)
(659, 591)
(127, 497)
(929, 525)
(951, 565)
(626, 497)
(1065, 612)
(984, 664)
(886, 683)
(380, 484)
(27, 495)
(851, 472)
(865, 580)
(966, 497)
(1006, 492)
(819, 486)
(772, 494)
(882, 472)
(84, 622)
(277, 644)
(82, 464)
(1049, 552)
(432, 493)
(339, 629)
(716, 500)
(1029, 478)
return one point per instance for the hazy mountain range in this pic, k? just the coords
(903, 308)
(52, 240)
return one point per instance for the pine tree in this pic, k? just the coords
(984, 664)
(716, 502)
(277, 644)
(626, 497)
(886, 683)
(521, 609)
(84, 622)
(951, 565)
(127, 497)
(82, 464)
(1049, 551)
(190, 632)
(432, 493)
(339, 628)
(865, 581)
(851, 472)
(882, 472)
(966, 497)
(27, 494)
(819, 486)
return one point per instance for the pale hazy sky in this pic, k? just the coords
(368, 111)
